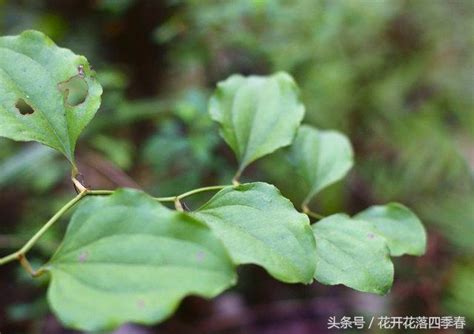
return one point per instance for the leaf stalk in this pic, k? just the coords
(310, 213)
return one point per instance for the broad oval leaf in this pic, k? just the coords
(47, 94)
(349, 252)
(320, 157)
(260, 226)
(127, 258)
(257, 114)
(401, 228)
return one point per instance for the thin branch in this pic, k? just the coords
(78, 185)
(22, 251)
(100, 192)
(20, 254)
(177, 204)
(200, 190)
(165, 199)
(235, 179)
(190, 193)
(310, 213)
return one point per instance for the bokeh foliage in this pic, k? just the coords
(395, 76)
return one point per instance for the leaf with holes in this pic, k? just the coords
(127, 258)
(47, 94)
(399, 226)
(257, 114)
(320, 157)
(260, 226)
(350, 253)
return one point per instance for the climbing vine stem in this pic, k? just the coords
(190, 193)
(20, 254)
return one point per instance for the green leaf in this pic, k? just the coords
(349, 252)
(47, 94)
(259, 226)
(127, 258)
(257, 114)
(399, 226)
(320, 157)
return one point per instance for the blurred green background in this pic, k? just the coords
(396, 76)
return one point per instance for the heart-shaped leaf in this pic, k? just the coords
(260, 226)
(127, 258)
(47, 94)
(257, 114)
(349, 252)
(399, 226)
(320, 157)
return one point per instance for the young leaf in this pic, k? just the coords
(349, 252)
(257, 114)
(259, 226)
(399, 226)
(127, 258)
(320, 157)
(47, 94)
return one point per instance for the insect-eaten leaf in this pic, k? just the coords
(257, 114)
(349, 252)
(47, 93)
(320, 158)
(127, 258)
(260, 226)
(400, 227)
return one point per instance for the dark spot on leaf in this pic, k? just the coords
(83, 256)
(74, 90)
(370, 235)
(23, 107)
(200, 256)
